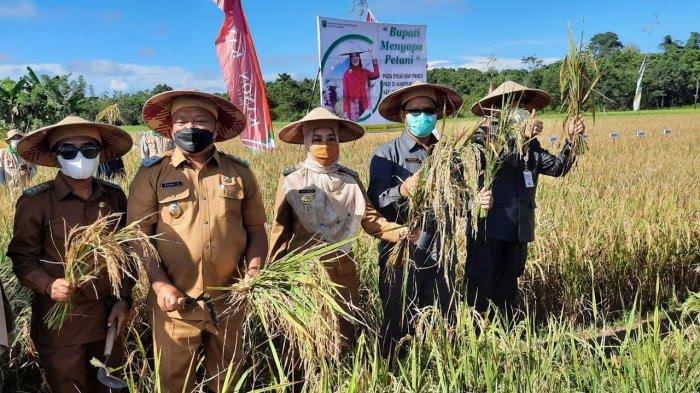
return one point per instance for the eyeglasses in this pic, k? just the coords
(418, 111)
(69, 152)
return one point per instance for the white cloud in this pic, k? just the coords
(483, 63)
(18, 9)
(107, 75)
(439, 64)
(118, 84)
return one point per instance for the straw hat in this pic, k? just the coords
(12, 133)
(353, 47)
(347, 130)
(156, 113)
(36, 147)
(444, 97)
(534, 98)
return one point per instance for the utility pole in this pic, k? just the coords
(697, 90)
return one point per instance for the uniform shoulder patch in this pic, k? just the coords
(38, 189)
(237, 160)
(347, 170)
(290, 170)
(109, 184)
(151, 161)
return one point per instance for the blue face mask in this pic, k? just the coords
(421, 125)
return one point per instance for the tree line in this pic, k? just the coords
(670, 80)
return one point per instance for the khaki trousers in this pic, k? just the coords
(177, 344)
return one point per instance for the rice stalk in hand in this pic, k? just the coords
(578, 77)
(502, 140)
(295, 298)
(98, 249)
(440, 202)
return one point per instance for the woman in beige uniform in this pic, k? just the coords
(320, 200)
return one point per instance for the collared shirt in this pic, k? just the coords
(15, 172)
(392, 163)
(44, 215)
(201, 216)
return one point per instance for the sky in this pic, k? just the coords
(130, 45)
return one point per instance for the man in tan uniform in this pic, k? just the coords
(45, 214)
(15, 172)
(153, 144)
(208, 210)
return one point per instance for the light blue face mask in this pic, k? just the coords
(421, 125)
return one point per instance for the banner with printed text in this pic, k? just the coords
(363, 62)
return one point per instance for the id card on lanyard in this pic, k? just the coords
(527, 173)
(529, 181)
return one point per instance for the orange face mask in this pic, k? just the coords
(326, 153)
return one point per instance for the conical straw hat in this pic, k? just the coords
(444, 97)
(35, 148)
(156, 113)
(534, 98)
(347, 130)
(11, 134)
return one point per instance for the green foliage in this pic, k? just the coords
(37, 100)
(669, 80)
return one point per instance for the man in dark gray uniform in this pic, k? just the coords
(393, 174)
(496, 258)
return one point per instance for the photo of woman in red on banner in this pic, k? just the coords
(356, 97)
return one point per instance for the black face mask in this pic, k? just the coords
(193, 140)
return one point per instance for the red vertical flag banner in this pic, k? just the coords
(239, 64)
(370, 17)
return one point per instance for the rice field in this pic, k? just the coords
(618, 242)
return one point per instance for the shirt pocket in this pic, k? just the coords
(230, 195)
(174, 207)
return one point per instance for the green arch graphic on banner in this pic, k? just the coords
(338, 42)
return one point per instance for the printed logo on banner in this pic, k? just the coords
(362, 62)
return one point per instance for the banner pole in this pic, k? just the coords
(313, 90)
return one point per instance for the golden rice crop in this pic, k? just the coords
(96, 248)
(294, 298)
(578, 76)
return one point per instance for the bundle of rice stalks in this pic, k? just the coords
(294, 298)
(503, 137)
(441, 200)
(97, 248)
(578, 76)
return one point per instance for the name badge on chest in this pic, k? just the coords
(529, 181)
(413, 160)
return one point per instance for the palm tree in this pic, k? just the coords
(9, 94)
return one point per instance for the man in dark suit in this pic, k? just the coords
(496, 257)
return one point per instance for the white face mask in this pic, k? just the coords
(14, 143)
(80, 167)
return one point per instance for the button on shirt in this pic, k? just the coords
(42, 221)
(201, 217)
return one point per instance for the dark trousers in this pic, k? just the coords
(493, 268)
(406, 290)
(68, 368)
